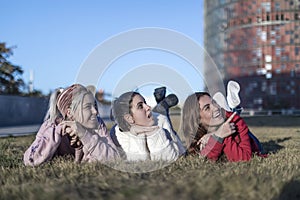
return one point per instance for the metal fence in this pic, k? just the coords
(19, 111)
(291, 112)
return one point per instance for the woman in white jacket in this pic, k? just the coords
(140, 134)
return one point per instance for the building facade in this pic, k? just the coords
(257, 43)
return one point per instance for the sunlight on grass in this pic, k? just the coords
(275, 177)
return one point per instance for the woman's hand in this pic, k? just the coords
(204, 140)
(227, 128)
(73, 129)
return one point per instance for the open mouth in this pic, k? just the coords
(150, 115)
(93, 118)
(216, 114)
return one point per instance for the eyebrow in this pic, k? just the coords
(87, 104)
(140, 102)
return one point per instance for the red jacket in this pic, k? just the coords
(237, 147)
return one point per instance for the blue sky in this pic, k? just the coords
(54, 38)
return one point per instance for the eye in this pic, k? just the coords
(207, 108)
(215, 103)
(87, 106)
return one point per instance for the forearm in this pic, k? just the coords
(238, 147)
(213, 148)
(162, 147)
(238, 150)
(96, 148)
(44, 146)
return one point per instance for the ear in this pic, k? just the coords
(69, 115)
(92, 89)
(129, 118)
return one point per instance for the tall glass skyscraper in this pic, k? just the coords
(257, 43)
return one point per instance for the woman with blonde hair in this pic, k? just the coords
(71, 127)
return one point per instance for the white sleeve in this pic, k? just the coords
(134, 146)
(162, 147)
(163, 121)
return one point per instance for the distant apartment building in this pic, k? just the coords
(257, 43)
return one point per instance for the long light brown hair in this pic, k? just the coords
(191, 130)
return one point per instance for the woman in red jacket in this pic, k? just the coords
(210, 131)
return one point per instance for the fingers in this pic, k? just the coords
(64, 127)
(67, 126)
(204, 139)
(231, 117)
(232, 127)
(73, 141)
(70, 128)
(199, 141)
(73, 138)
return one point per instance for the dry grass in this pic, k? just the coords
(276, 177)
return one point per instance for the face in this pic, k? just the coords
(211, 113)
(89, 112)
(141, 112)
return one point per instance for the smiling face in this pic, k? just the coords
(88, 112)
(140, 112)
(211, 113)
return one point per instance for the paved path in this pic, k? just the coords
(25, 130)
(19, 130)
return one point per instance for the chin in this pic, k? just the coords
(92, 125)
(152, 122)
(217, 122)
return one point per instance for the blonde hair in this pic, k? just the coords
(53, 112)
(61, 99)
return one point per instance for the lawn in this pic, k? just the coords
(275, 177)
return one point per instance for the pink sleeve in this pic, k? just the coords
(103, 132)
(44, 146)
(98, 146)
(238, 146)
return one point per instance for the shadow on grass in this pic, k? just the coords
(290, 191)
(273, 146)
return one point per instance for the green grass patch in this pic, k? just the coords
(275, 177)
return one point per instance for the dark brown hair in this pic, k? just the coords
(121, 107)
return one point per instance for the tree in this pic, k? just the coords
(11, 81)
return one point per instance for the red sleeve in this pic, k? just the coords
(213, 149)
(238, 147)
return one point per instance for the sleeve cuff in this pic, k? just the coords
(218, 139)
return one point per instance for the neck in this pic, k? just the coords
(213, 128)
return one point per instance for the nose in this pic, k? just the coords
(147, 107)
(94, 110)
(215, 106)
